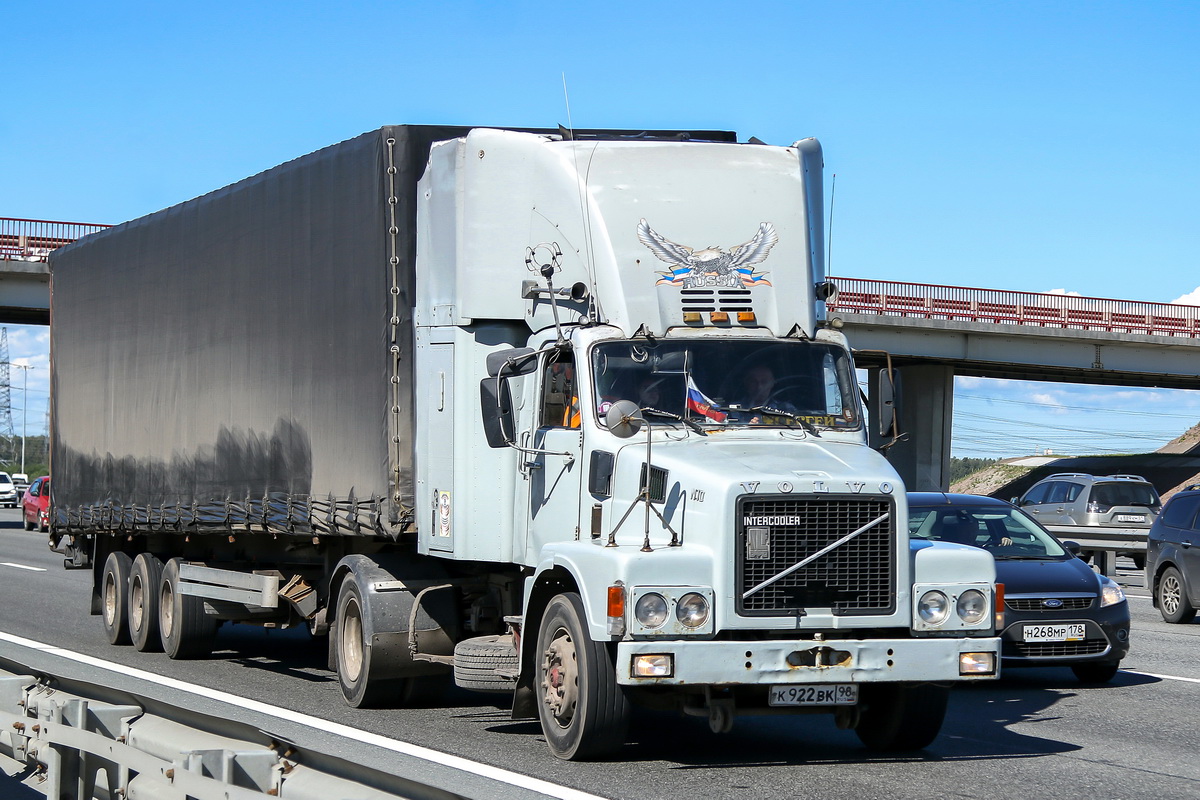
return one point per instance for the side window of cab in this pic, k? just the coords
(560, 391)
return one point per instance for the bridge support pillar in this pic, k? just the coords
(926, 412)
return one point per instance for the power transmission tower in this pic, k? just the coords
(6, 422)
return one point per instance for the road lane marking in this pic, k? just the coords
(395, 745)
(21, 566)
(1162, 677)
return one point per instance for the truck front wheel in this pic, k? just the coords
(144, 581)
(898, 717)
(114, 597)
(583, 711)
(187, 632)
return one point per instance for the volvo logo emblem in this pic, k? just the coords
(1053, 602)
(758, 544)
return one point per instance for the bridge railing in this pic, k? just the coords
(33, 239)
(929, 301)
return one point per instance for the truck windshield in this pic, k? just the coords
(731, 383)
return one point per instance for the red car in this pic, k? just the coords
(35, 505)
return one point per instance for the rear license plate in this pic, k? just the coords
(1131, 517)
(829, 694)
(1070, 632)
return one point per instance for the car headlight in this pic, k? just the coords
(692, 610)
(934, 607)
(651, 610)
(1110, 592)
(972, 606)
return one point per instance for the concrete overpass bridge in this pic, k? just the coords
(24, 275)
(931, 333)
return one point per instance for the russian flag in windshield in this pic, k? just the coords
(696, 401)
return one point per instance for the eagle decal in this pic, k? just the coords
(711, 266)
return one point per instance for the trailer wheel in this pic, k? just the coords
(114, 597)
(357, 673)
(186, 631)
(144, 581)
(583, 711)
(900, 717)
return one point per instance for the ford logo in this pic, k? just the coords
(1053, 602)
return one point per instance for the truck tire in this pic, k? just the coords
(486, 664)
(900, 717)
(583, 710)
(144, 582)
(358, 674)
(114, 597)
(186, 631)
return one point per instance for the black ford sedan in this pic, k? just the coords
(1057, 610)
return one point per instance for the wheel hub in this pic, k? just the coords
(560, 677)
(1170, 595)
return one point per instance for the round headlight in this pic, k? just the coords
(972, 606)
(692, 610)
(651, 610)
(934, 607)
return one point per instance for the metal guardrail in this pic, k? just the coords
(33, 239)
(1105, 544)
(67, 744)
(929, 301)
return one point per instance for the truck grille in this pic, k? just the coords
(774, 534)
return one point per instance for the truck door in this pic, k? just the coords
(553, 475)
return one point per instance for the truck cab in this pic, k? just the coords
(676, 450)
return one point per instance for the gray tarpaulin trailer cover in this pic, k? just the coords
(243, 360)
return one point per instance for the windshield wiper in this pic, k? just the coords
(776, 412)
(667, 414)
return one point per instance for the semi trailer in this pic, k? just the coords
(548, 412)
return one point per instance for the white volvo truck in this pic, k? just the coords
(558, 413)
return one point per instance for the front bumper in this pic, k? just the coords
(774, 662)
(1106, 638)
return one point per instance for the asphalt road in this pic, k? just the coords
(1035, 733)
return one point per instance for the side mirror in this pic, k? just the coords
(624, 419)
(887, 402)
(1072, 547)
(512, 363)
(495, 401)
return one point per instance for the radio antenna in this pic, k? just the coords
(567, 103)
(829, 233)
(584, 210)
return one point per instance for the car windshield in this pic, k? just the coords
(1005, 532)
(731, 383)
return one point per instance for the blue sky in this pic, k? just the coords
(1015, 145)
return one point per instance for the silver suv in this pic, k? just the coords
(1074, 498)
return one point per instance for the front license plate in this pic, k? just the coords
(829, 694)
(1131, 517)
(1070, 632)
